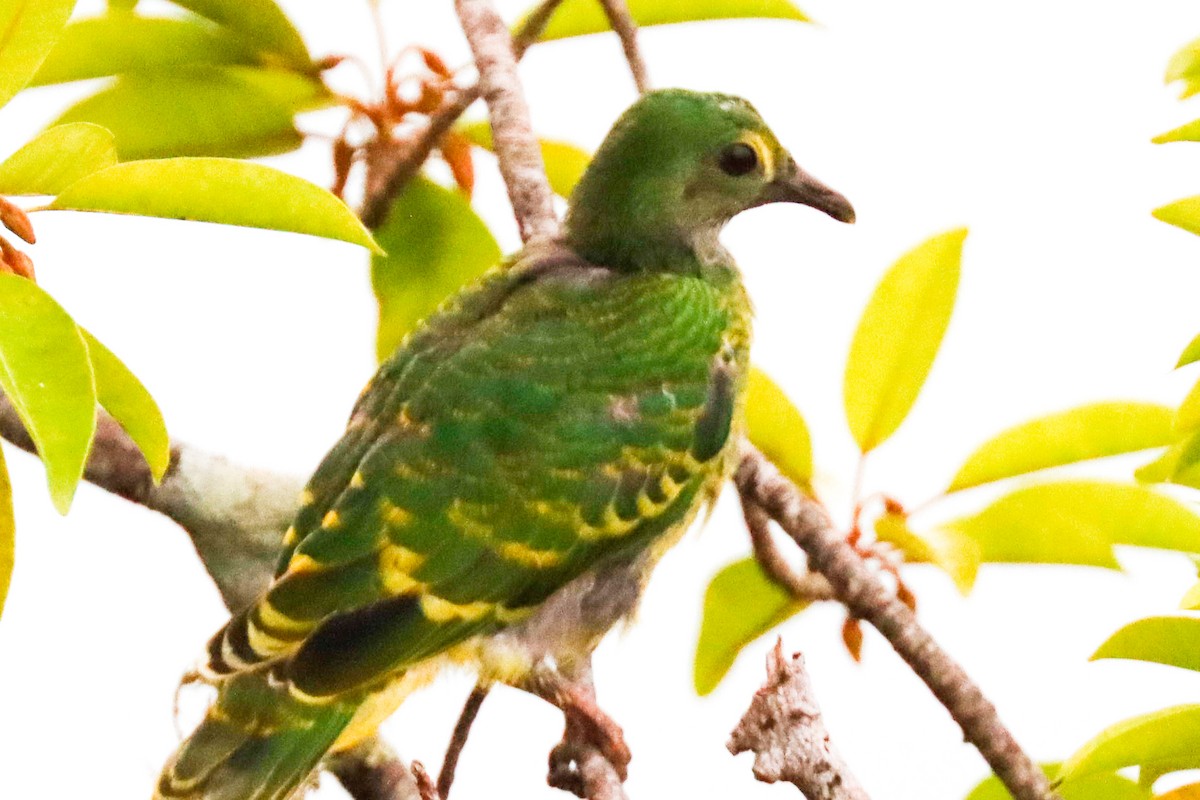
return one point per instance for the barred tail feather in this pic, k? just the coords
(263, 755)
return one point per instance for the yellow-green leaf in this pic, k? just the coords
(1092, 787)
(740, 605)
(579, 17)
(1170, 736)
(57, 158)
(126, 399)
(1185, 66)
(1182, 214)
(28, 30)
(435, 244)
(1179, 464)
(1067, 437)
(1184, 133)
(193, 111)
(1191, 599)
(898, 337)
(220, 190)
(1078, 522)
(1187, 418)
(565, 163)
(7, 532)
(1159, 470)
(776, 427)
(291, 90)
(121, 42)
(45, 373)
(1190, 354)
(259, 22)
(1162, 640)
(953, 552)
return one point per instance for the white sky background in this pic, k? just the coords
(1029, 123)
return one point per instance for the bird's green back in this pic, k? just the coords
(556, 415)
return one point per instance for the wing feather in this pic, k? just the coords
(552, 418)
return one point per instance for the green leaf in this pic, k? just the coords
(260, 22)
(740, 605)
(1170, 736)
(45, 373)
(57, 158)
(7, 532)
(295, 92)
(1067, 437)
(1174, 641)
(216, 190)
(1078, 522)
(126, 399)
(194, 111)
(776, 428)
(898, 337)
(565, 163)
(1190, 354)
(435, 244)
(28, 30)
(579, 17)
(1182, 214)
(121, 43)
(1092, 787)
(951, 551)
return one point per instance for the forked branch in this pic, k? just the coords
(857, 587)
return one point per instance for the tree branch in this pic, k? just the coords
(626, 29)
(784, 730)
(867, 598)
(810, 587)
(392, 164)
(373, 771)
(516, 147)
(235, 516)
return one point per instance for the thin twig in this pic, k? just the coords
(516, 146)
(784, 730)
(462, 730)
(626, 30)
(869, 599)
(424, 783)
(390, 165)
(810, 587)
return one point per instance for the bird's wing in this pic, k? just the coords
(575, 415)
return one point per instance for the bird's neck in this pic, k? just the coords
(630, 247)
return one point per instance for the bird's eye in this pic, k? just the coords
(738, 158)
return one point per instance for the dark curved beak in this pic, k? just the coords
(794, 185)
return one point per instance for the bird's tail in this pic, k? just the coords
(257, 742)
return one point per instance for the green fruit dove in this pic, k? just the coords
(513, 472)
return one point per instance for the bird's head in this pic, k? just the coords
(676, 167)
